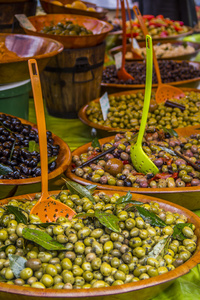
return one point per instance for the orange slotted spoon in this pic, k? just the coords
(164, 91)
(46, 208)
(122, 73)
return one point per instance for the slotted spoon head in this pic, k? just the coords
(141, 162)
(166, 92)
(46, 208)
(122, 74)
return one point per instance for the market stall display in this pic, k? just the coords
(15, 51)
(74, 8)
(75, 281)
(99, 29)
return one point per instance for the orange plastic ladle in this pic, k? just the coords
(164, 91)
(46, 208)
(122, 73)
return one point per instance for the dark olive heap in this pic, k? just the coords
(125, 112)
(170, 71)
(92, 254)
(66, 28)
(14, 149)
(116, 168)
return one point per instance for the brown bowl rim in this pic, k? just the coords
(37, 57)
(64, 163)
(128, 287)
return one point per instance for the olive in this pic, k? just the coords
(114, 166)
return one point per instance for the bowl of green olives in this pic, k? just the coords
(20, 158)
(73, 31)
(125, 112)
(138, 252)
(174, 152)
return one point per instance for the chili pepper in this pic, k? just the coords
(148, 17)
(175, 175)
(73, 166)
(178, 28)
(160, 17)
(125, 162)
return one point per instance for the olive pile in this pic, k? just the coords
(125, 112)
(14, 145)
(95, 256)
(170, 71)
(116, 168)
(66, 28)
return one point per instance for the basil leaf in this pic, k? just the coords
(4, 170)
(91, 187)
(95, 143)
(78, 189)
(84, 215)
(171, 131)
(159, 248)
(20, 217)
(126, 199)
(108, 220)
(42, 238)
(177, 234)
(150, 217)
(17, 264)
(33, 146)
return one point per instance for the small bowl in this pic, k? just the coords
(188, 197)
(50, 8)
(8, 187)
(99, 28)
(114, 87)
(142, 290)
(26, 47)
(105, 131)
(176, 43)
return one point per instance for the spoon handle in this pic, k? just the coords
(41, 125)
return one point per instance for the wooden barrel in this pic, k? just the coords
(72, 79)
(8, 9)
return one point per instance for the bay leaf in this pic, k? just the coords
(17, 264)
(2, 248)
(91, 187)
(33, 146)
(20, 217)
(126, 199)
(76, 188)
(6, 127)
(4, 170)
(3, 279)
(84, 215)
(12, 149)
(45, 225)
(177, 234)
(95, 143)
(108, 220)
(158, 249)
(171, 131)
(42, 238)
(50, 160)
(150, 217)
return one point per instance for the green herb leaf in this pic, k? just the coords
(20, 217)
(12, 149)
(150, 217)
(170, 151)
(126, 199)
(33, 146)
(17, 264)
(5, 127)
(4, 170)
(44, 225)
(84, 215)
(78, 189)
(159, 248)
(42, 238)
(50, 160)
(3, 279)
(177, 234)
(95, 143)
(2, 248)
(91, 187)
(108, 220)
(171, 131)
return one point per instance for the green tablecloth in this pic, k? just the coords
(75, 134)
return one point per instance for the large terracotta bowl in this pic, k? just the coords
(99, 28)
(113, 87)
(188, 197)
(26, 47)
(51, 8)
(179, 56)
(141, 290)
(9, 187)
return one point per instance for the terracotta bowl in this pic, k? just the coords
(188, 197)
(108, 131)
(177, 43)
(113, 87)
(26, 47)
(50, 8)
(142, 290)
(99, 28)
(8, 187)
